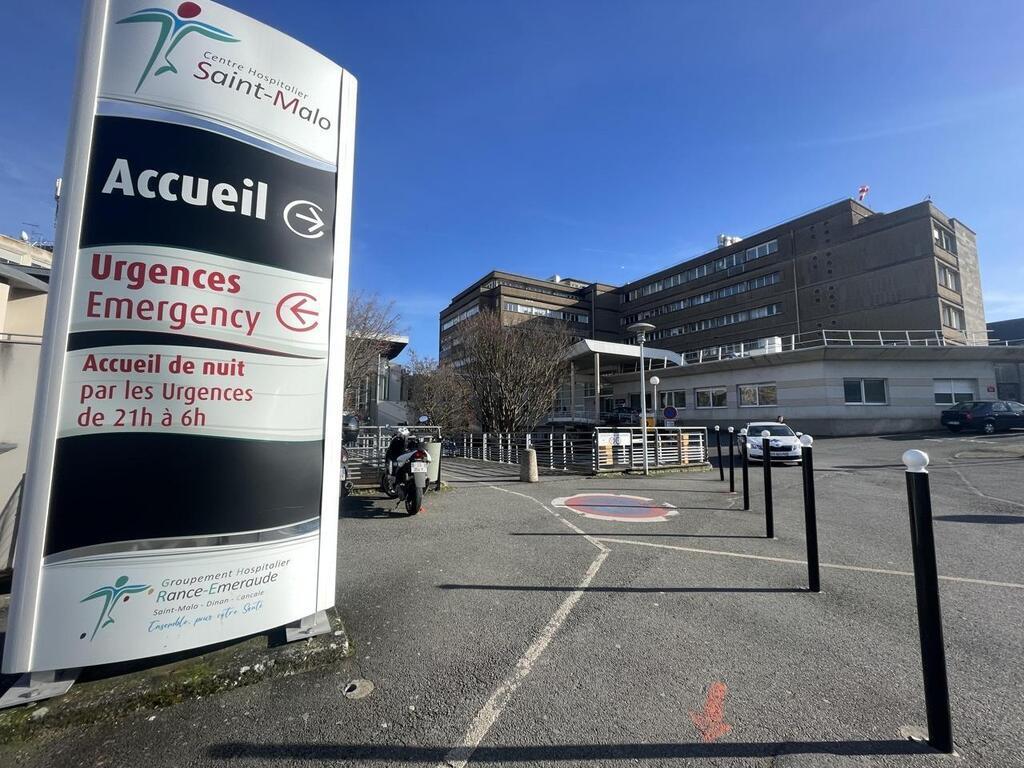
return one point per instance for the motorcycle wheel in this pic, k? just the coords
(413, 499)
(388, 486)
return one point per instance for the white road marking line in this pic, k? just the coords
(495, 705)
(550, 511)
(491, 711)
(859, 568)
(971, 486)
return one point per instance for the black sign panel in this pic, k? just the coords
(156, 183)
(167, 486)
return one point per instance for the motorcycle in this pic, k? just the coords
(405, 471)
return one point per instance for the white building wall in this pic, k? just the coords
(811, 395)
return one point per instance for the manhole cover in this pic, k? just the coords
(617, 507)
(357, 689)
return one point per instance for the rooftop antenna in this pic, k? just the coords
(32, 239)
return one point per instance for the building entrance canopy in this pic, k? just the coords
(586, 358)
(587, 353)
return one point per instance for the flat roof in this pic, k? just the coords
(585, 349)
(14, 275)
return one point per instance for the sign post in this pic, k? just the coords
(182, 484)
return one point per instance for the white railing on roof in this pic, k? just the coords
(838, 338)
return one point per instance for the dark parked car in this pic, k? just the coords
(988, 416)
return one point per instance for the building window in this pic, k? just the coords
(953, 317)
(943, 238)
(948, 277)
(864, 391)
(676, 399)
(758, 395)
(952, 391)
(703, 270)
(724, 292)
(555, 314)
(716, 322)
(464, 315)
(709, 397)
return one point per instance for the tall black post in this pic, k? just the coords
(769, 516)
(718, 446)
(732, 466)
(745, 465)
(929, 612)
(810, 514)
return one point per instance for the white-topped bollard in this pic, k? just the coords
(718, 447)
(916, 461)
(732, 461)
(766, 460)
(810, 512)
(929, 612)
(745, 466)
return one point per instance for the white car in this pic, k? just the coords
(783, 443)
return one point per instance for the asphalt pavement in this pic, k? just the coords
(623, 620)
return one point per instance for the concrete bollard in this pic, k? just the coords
(528, 466)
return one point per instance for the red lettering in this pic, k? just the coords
(279, 101)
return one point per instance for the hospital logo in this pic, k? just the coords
(174, 27)
(112, 595)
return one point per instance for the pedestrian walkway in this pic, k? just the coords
(461, 472)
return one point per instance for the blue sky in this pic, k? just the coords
(605, 140)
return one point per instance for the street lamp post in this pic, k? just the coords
(655, 381)
(641, 329)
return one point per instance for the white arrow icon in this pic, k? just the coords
(299, 211)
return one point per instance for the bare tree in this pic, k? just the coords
(372, 325)
(439, 392)
(512, 371)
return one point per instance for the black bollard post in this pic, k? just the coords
(766, 459)
(929, 612)
(745, 466)
(718, 447)
(732, 466)
(810, 514)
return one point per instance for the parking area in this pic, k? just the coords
(621, 620)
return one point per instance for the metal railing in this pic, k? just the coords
(367, 447)
(838, 338)
(622, 448)
(603, 449)
(567, 451)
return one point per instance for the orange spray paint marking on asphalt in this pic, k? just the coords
(711, 722)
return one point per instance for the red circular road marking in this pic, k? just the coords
(617, 507)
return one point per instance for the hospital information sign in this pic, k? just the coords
(182, 486)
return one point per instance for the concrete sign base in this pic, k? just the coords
(35, 686)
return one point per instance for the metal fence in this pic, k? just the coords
(568, 451)
(839, 338)
(604, 449)
(367, 447)
(622, 448)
